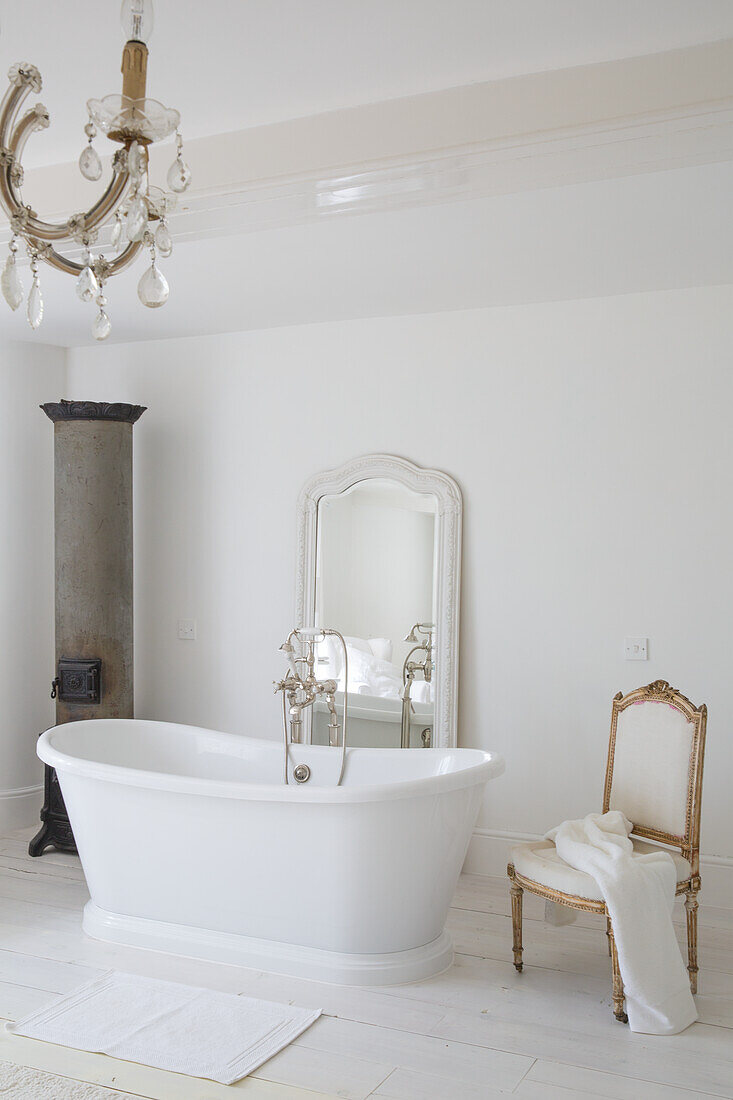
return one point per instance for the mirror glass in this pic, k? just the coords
(376, 584)
(379, 561)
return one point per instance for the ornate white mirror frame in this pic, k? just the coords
(447, 566)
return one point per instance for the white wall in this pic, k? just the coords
(29, 374)
(592, 442)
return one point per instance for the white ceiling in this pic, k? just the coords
(231, 64)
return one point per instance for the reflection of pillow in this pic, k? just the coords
(380, 677)
(358, 643)
(330, 658)
(382, 648)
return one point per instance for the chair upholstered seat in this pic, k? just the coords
(539, 862)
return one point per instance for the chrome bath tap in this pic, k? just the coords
(300, 689)
(409, 670)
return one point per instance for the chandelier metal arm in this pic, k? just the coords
(18, 90)
(125, 258)
(46, 231)
(70, 267)
(37, 119)
(107, 203)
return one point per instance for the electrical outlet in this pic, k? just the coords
(636, 649)
(187, 630)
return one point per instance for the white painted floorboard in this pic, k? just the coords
(478, 1032)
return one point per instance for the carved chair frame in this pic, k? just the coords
(688, 843)
(447, 565)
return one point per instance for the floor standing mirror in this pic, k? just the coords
(379, 560)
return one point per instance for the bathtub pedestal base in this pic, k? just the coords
(393, 968)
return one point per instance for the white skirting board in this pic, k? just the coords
(488, 854)
(20, 808)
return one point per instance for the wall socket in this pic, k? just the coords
(636, 649)
(187, 630)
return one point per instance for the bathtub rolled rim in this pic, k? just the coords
(488, 766)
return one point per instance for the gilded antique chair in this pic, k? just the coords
(654, 776)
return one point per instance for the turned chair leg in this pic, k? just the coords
(691, 911)
(618, 985)
(516, 892)
(608, 934)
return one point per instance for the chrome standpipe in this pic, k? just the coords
(409, 670)
(300, 689)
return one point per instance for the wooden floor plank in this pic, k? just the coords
(460, 1061)
(479, 1031)
(55, 977)
(17, 1001)
(137, 1080)
(325, 1072)
(408, 1084)
(550, 1079)
(698, 1059)
(71, 871)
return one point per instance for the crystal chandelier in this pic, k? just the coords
(138, 211)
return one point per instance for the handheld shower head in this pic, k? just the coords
(419, 628)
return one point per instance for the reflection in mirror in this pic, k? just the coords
(376, 584)
(379, 560)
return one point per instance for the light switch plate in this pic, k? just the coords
(636, 649)
(187, 630)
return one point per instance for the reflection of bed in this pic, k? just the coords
(371, 671)
(375, 708)
(375, 694)
(374, 721)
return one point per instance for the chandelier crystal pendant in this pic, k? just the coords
(138, 212)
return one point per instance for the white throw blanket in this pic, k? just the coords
(639, 895)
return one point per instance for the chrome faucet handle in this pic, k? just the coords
(301, 688)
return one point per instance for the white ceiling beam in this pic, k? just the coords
(547, 129)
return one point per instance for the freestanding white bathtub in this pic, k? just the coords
(192, 844)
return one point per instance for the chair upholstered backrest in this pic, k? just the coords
(655, 759)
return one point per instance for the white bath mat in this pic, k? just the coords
(176, 1027)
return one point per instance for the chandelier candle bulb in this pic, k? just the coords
(138, 19)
